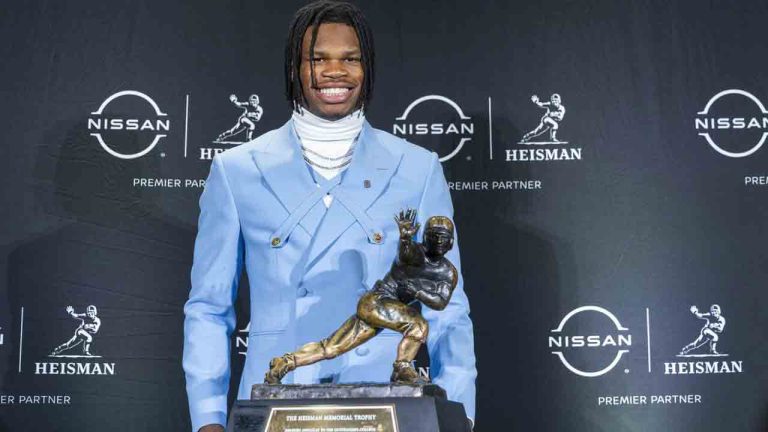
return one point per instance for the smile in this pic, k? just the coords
(334, 95)
(334, 91)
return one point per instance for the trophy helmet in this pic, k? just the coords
(714, 309)
(438, 235)
(254, 99)
(91, 310)
(441, 223)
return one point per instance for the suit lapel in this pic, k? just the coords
(286, 174)
(368, 175)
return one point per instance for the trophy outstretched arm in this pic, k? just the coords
(408, 251)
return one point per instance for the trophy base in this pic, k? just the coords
(364, 407)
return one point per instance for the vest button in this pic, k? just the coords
(276, 241)
(362, 351)
(377, 237)
(302, 292)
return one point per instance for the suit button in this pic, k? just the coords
(377, 237)
(362, 351)
(276, 241)
(302, 292)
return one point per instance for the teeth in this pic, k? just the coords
(333, 91)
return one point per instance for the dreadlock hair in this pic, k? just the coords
(311, 16)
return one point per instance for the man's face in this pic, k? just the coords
(338, 71)
(438, 241)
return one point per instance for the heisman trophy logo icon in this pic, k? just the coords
(701, 355)
(550, 121)
(89, 326)
(709, 334)
(252, 112)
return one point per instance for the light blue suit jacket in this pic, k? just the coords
(308, 265)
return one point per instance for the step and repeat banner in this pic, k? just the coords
(606, 162)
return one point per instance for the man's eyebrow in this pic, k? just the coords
(346, 52)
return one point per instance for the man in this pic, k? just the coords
(420, 273)
(710, 332)
(549, 121)
(307, 209)
(252, 113)
(89, 325)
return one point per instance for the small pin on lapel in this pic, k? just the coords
(367, 184)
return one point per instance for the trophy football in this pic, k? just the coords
(420, 273)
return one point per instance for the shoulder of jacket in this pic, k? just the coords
(410, 151)
(236, 154)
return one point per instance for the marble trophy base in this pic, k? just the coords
(413, 408)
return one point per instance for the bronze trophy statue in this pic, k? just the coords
(420, 273)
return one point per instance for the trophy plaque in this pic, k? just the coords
(363, 407)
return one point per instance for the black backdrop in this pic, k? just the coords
(653, 201)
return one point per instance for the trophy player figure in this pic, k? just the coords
(247, 120)
(549, 121)
(710, 332)
(420, 273)
(89, 325)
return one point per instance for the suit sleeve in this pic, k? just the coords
(209, 312)
(451, 341)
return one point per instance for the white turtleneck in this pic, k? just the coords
(327, 145)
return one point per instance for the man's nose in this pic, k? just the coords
(334, 69)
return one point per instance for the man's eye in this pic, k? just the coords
(318, 59)
(353, 59)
